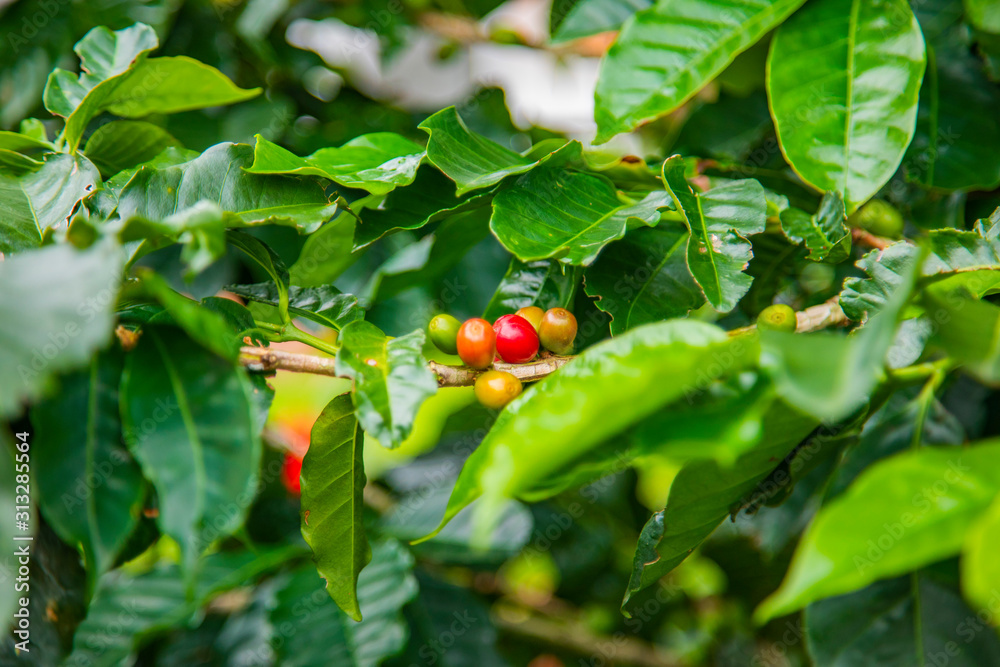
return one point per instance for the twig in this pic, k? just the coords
(577, 638)
(823, 316)
(864, 237)
(263, 360)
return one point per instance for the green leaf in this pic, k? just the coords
(103, 54)
(983, 14)
(720, 425)
(23, 143)
(972, 334)
(326, 254)
(644, 278)
(856, 74)
(429, 260)
(589, 17)
(980, 568)
(155, 193)
(128, 611)
(668, 52)
(559, 214)
(955, 133)
(122, 144)
(830, 375)
(902, 513)
(419, 512)
(903, 621)
(333, 484)
(324, 305)
(391, 379)
(544, 283)
(439, 611)
(266, 259)
(179, 84)
(431, 198)
(824, 234)
(189, 421)
(606, 389)
(35, 202)
(720, 221)
(704, 493)
(325, 636)
(70, 296)
(201, 324)
(90, 489)
(201, 229)
(473, 161)
(377, 162)
(886, 269)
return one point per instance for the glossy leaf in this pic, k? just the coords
(644, 278)
(325, 636)
(559, 214)
(326, 254)
(58, 286)
(431, 198)
(35, 202)
(201, 324)
(886, 269)
(90, 489)
(720, 221)
(333, 484)
(155, 193)
(905, 621)
(589, 17)
(267, 260)
(189, 421)
(324, 305)
(666, 53)
(704, 493)
(391, 379)
(473, 161)
(103, 54)
(602, 392)
(123, 144)
(973, 332)
(544, 283)
(201, 229)
(128, 611)
(980, 569)
(377, 162)
(824, 233)
(855, 69)
(904, 512)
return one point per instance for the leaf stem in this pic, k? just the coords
(284, 333)
(932, 372)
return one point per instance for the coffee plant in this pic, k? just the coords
(298, 371)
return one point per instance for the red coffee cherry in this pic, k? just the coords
(290, 474)
(517, 341)
(495, 389)
(558, 330)
(476, 343)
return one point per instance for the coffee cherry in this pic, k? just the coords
(476, 343)
(778, 317)
(290, 473)
(557, 330)
(533, 314)
(879, 218)
(517, 341)
(495, 389)
(443, 332)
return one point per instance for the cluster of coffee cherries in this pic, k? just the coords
(513, 339)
